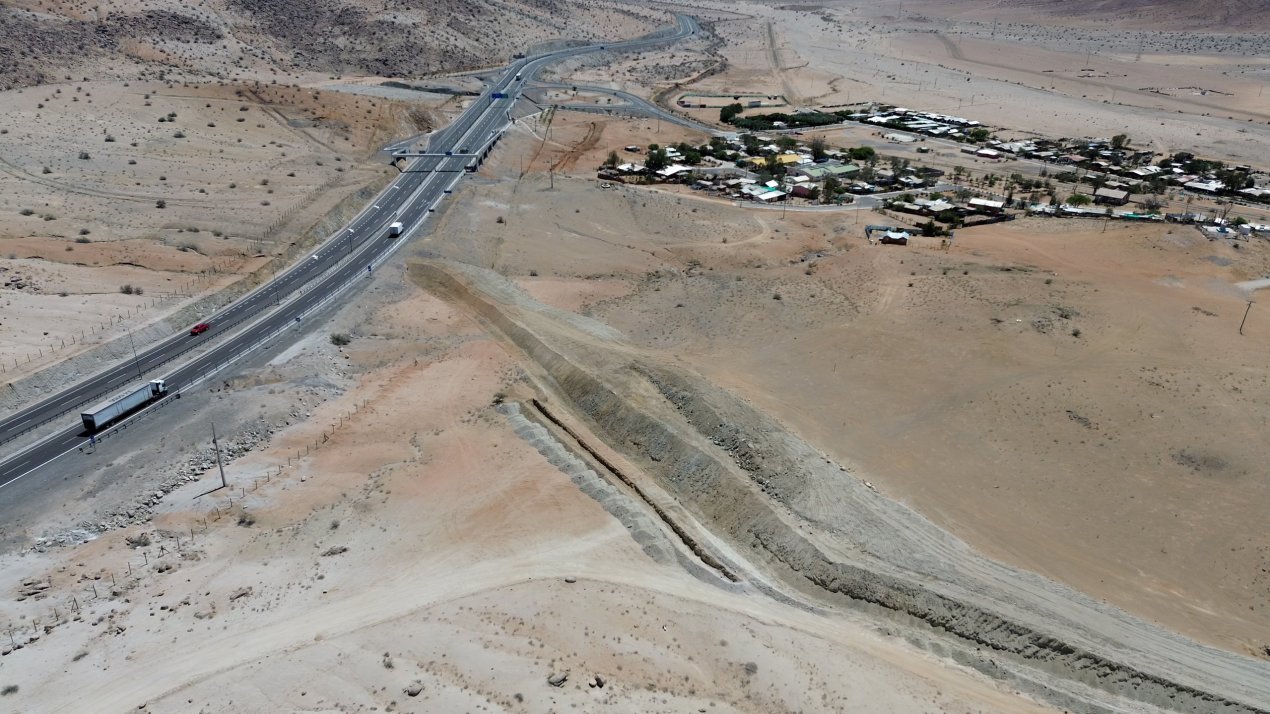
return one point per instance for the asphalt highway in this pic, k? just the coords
(308, 284)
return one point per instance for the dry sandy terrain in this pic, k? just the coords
(1023, 77)
(428, 543)
(954, 383)
(1129, 434)
(699, 457)
(255, 169)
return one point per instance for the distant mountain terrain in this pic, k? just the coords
(1240, 16)
(227, 39)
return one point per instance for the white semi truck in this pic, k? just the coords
(103, 414)
(394, 229)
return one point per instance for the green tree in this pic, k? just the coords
(978, 134)
(656, 159)
(817, 147)
(1119, 141)
(787, 142)
(1079, 199)
(862, 153)
(612, 160)
(730, 112)
(832, 186)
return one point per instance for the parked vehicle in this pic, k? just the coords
(108, 411)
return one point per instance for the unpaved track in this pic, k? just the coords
(823, 533)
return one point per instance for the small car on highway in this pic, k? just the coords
(200, 328)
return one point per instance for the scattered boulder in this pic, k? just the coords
(414, 689)
(558, 679)
(35, 588)
(335, 550)
(240, 593)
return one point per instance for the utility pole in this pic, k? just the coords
(135, 361)
(1246, 311)
(219, 464)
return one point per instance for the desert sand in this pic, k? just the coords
(694, 456)
(410, 552)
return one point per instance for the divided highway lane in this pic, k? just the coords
(106, 383)
(408, 199)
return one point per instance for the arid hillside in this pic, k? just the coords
(1210, 16)
(47, 40)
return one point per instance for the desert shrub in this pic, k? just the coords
(339, 339)
(83, 155)
(160, 203)
(126, 289)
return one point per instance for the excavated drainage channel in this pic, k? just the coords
(719, 484)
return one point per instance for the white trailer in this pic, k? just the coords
(108, 411)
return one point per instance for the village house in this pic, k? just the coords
(1111, 196)
(820, 172)
(985, 205)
